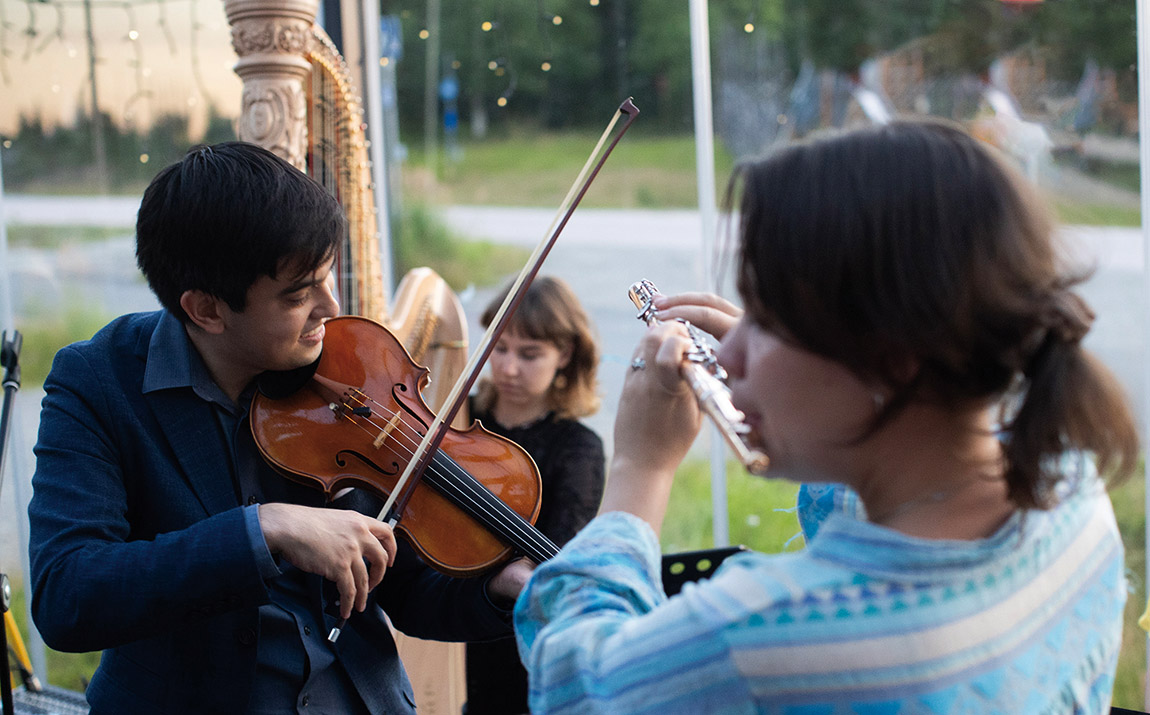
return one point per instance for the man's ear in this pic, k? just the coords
(204, 310)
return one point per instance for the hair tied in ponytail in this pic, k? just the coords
(1068, 317)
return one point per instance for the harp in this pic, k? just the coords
(300, 102)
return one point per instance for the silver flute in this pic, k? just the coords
(708, 380)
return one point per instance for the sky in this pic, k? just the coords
(153, 57)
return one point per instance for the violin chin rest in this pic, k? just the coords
(278, 384)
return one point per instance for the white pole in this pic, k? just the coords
(377, 133)
(1144, 156)
(17, 467)
(431, 89)
(6, 312)
(705, 173)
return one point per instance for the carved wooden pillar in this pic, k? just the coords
(271, 39)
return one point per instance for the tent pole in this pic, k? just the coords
(705, 171)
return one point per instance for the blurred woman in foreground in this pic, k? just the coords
(910, 333)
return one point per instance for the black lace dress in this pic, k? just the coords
(571, 464)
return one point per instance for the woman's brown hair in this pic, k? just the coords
(551, 312)
(914, 244)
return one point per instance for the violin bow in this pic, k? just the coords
(400, 495)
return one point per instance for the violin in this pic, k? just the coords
(466, 500)
(357, 423)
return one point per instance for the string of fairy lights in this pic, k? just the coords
(501, 66)
(67, 25)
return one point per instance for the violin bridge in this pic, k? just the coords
(386, 431)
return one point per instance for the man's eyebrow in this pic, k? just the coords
(300, 284)
(308, 279)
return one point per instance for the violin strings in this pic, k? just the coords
(456, 482)
(480, 502)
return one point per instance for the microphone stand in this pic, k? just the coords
(10, 361)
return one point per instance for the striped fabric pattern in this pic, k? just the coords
(865, 621)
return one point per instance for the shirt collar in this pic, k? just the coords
(174, 362)
(877, 549)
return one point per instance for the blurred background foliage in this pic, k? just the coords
(564, 65)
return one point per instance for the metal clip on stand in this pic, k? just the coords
(10, 362)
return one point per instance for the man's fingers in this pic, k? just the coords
(351, 550)
(378, 559)
(376, 570)
(346, 587)
(379, 552)
(360, 577)
(386, 537)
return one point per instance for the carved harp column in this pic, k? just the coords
(299, 102)
(271, 38)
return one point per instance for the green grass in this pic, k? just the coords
(536, 168)
(1078, 213)
(65, 670)
(761, 511)
(1126, 175)
(1129, 508)
(424, 240)
(50, 237)
(45, 332)
(530, 168)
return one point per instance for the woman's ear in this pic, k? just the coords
(203, 310)
(565, 356)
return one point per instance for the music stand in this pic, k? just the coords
(10, 362)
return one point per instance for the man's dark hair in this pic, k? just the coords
(227, 214)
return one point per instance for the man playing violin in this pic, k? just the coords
(160, 536)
